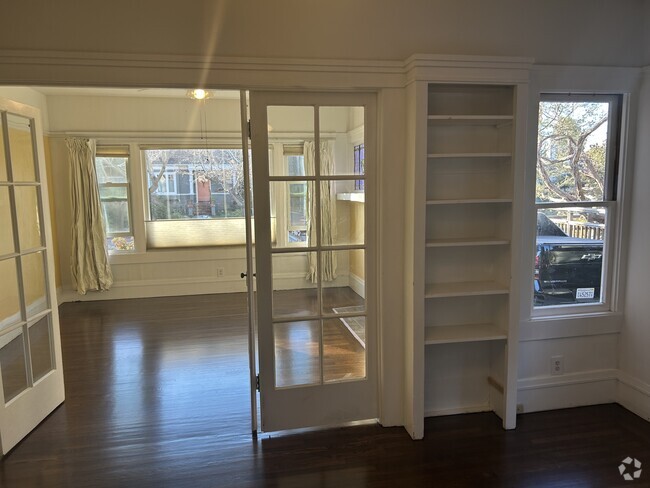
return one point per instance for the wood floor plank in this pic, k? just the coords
(157, 395)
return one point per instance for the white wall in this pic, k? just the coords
(634, 389)
(598, 32)
(28, 96)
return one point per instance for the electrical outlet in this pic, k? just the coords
(520, 408)
(557, 365)
(220, 272)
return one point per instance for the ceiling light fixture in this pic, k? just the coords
(199, 94)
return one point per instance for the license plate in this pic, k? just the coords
(584, 293)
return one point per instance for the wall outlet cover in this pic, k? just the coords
(557, 365)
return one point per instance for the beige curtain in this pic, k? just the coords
(89, 258)
(327, 208)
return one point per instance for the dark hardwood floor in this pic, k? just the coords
(157, 395)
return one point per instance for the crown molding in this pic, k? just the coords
(120, 70)
(452, 68)
(58, 68)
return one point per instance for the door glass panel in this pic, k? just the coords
(346, 215)
(295, 292)
(9, 299)
(40, 340)
(344, 348)
(34, 283)
(341, 131)
(7, 234)
(13, 364)
(3, 159)
(29, 227)
(297, 353)
(290, 122)
(344, 295)
(290, 217)
(21, 148)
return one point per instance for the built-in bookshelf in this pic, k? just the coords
(463, 318)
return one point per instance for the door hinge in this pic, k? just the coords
(257, 383)
(249, 129)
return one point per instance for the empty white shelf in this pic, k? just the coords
(470, 119)
(357, 196)
(469, 155)
(469, 200)
(449, 334)
(465, 289)
(485, 241)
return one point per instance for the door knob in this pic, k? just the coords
(244, 275)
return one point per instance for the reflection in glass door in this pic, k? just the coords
(31, 378)
(315, 290)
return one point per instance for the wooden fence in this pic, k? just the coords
(581, 230)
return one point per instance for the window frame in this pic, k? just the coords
(357, 148)
(282, 201)
(230, 227)
(117, 151)
(611, 202)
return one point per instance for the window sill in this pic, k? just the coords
(574, 325)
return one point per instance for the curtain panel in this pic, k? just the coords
(89, 258)
(327, 209)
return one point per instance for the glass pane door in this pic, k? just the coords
(31, 375)
(315, 300)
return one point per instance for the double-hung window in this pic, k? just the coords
(576, 201)
(112, 168)
(296, 210)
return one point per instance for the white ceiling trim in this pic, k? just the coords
(57, 68)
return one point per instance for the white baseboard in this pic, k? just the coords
(159, 288)
(186, 286)
(358, 285)
(568, 390)
(484, 407)
(634, 395)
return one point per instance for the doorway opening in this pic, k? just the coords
(172, 335)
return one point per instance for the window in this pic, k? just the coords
(112, 167)
(296, 212)
(195, 196)
(575, 199)
(359, 165)
(192, 183)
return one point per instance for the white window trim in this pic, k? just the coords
(613, 204)
(122, 151)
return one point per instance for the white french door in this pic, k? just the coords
(31, 372)
(314, 165)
